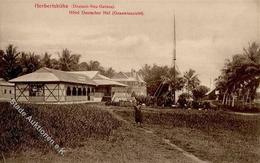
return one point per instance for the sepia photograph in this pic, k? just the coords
(129, 81)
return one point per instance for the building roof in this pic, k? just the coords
(98, 78)
(52, 75)
(5, 83)
(109, 82)
(211, 91)
(128, 76)
(90, 74)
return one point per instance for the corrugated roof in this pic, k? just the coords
(90, 74)
(52, 75)
(128, 76)
(98, 78)
(109, 82)
(5, 83)
(120, 75)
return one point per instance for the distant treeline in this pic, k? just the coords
(14, 63)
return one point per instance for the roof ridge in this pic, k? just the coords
(124, 74)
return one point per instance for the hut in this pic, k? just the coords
(53, 86)
(6, 90)
(106, 88)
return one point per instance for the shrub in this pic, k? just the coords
(183, 100)
(195, 104)
(147, 100)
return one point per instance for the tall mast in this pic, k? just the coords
(174, 58)
(174, 42)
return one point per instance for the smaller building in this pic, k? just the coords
(135, 84)
(213, 94)
(53, 86)
(6, 90)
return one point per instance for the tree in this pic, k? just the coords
(174, 79)
(191, 80)
(46, 60)
(240, 76)
(153, 76)
(68, 61)
(110, 72)
(10, 63)
(95, 66)
(30, 62)
(55, 64)
(199, 92)
(83, 66)
(1, 63)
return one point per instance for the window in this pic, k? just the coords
(79, 92)
(74, 91)
(88, 94)
(10, 91)
(84, 92)
(68, 91)
(5, 91)
(88, 91)
(36, 90)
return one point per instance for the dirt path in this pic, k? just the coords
(167, 141)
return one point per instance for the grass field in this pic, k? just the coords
(210, 135)
(98, 133)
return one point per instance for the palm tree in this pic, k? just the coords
(30, 62)
(170, 83)
(10, 63)
(176, 82)
(240, 76)
(68, 61)
(46, 60)
(55, 64)
(191, 80)
(1, 63)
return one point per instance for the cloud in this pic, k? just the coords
(207, 32)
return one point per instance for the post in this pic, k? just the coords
(174, 59)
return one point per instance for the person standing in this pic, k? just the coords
(138, 114)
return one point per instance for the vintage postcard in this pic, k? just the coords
(135, 81)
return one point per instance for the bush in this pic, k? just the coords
(195, 105)
(183, 100)
(147, 100)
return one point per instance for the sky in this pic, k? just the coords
(207, 32)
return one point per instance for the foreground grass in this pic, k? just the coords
(128, 144)
(68, 125)
(209, 135)
(95, 135)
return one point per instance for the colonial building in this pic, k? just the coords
(53, 86)
(106, 88)
(135, 84)
(6, 90)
